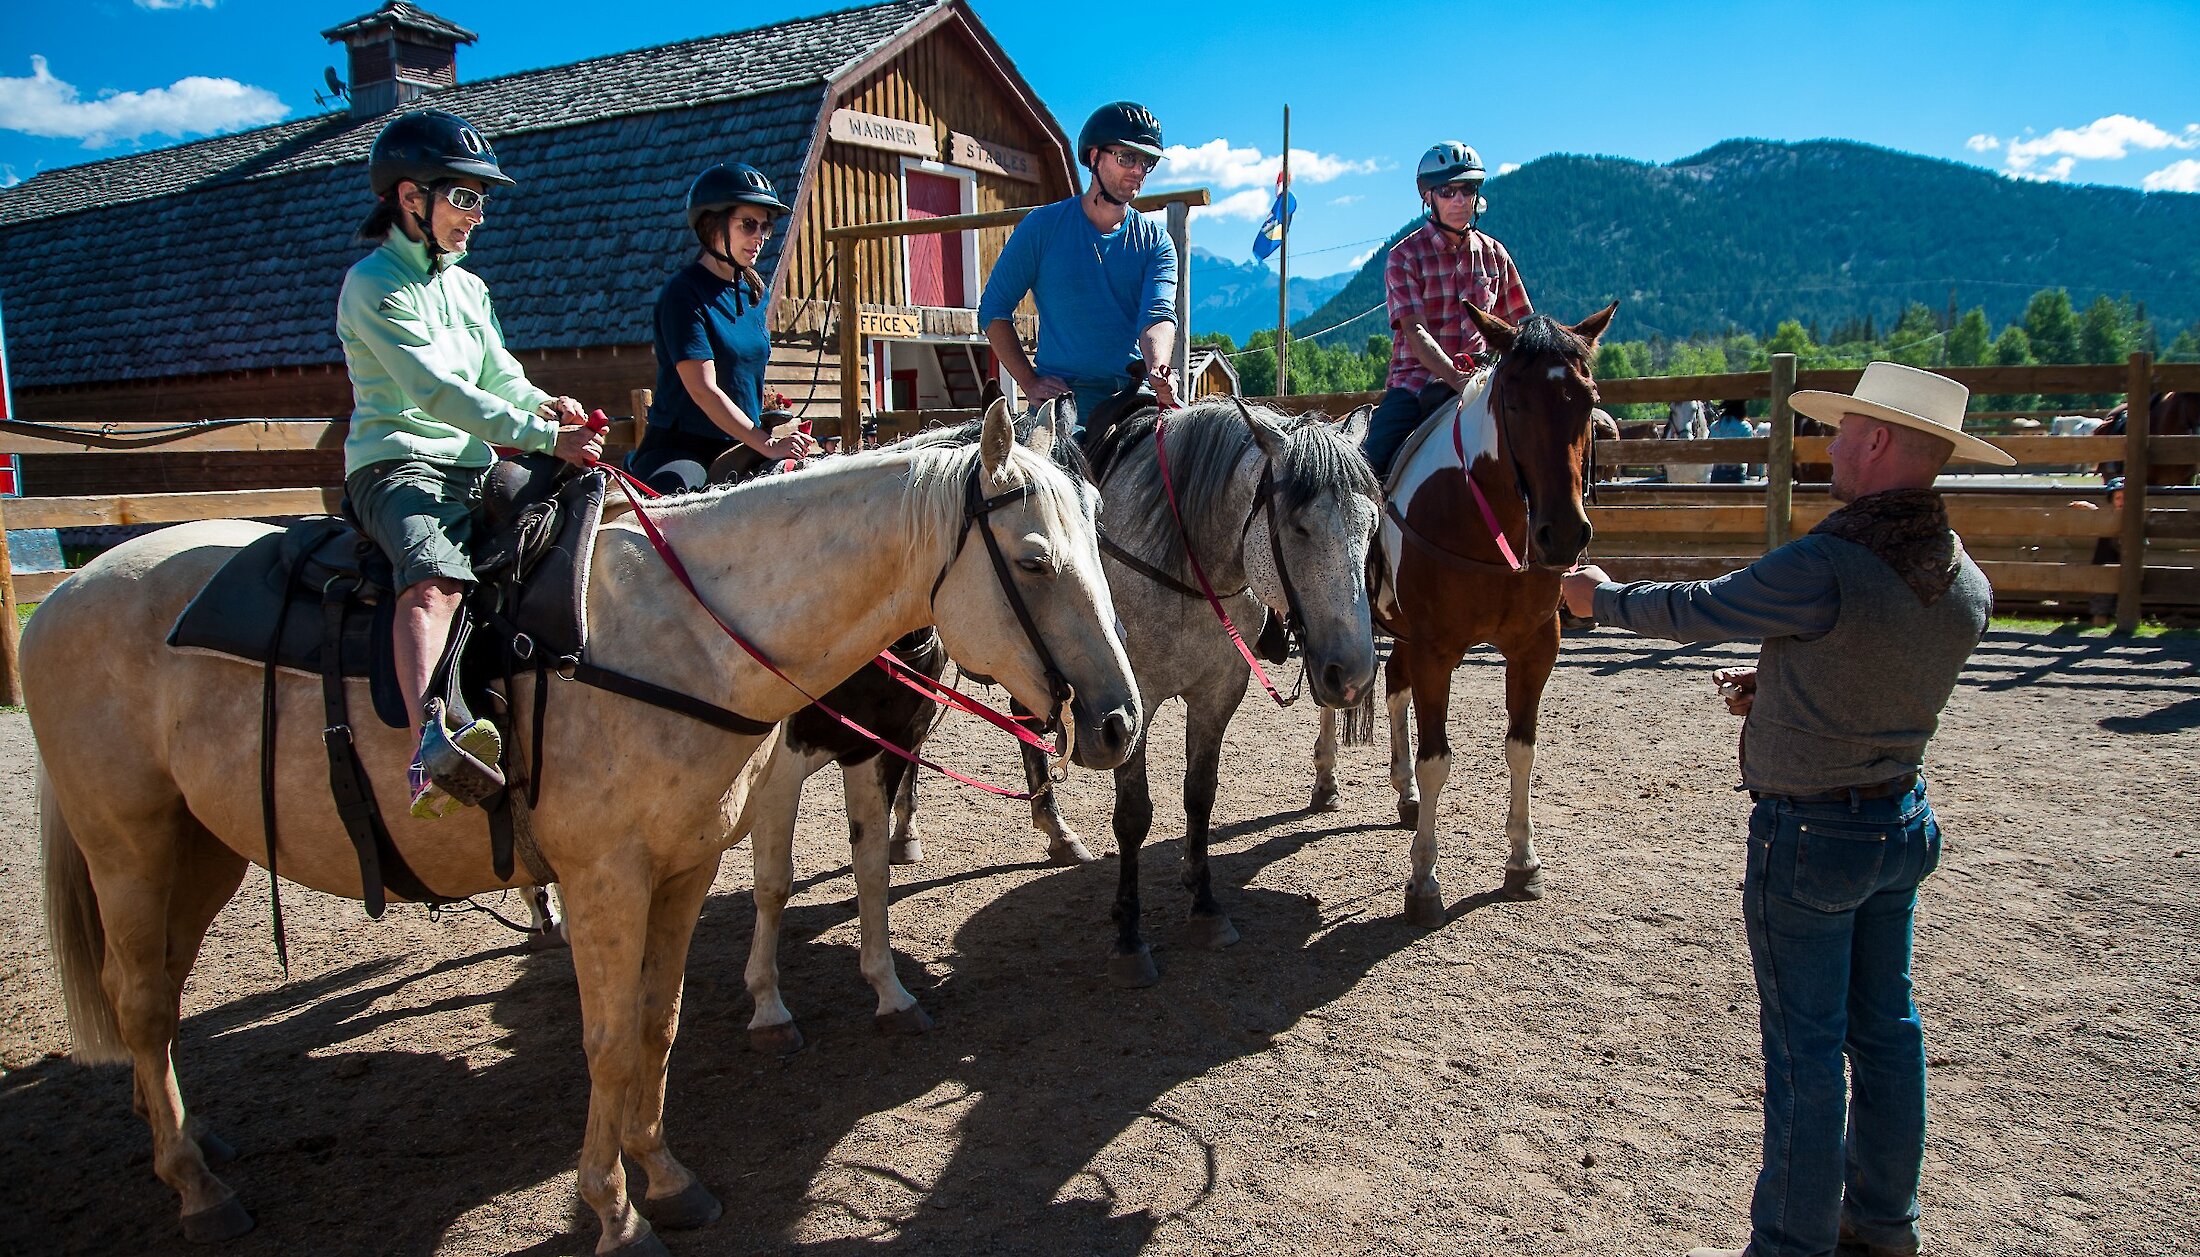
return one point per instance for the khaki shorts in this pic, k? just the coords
(421, 514)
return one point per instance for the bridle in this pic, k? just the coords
(976, 506)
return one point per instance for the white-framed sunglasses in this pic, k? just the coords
(465, 200)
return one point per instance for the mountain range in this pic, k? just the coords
(1239, 298)
(1750, 232)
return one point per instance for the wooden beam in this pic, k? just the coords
(2029, 451)
(11, 671)
(1780, 460)
(2138, 395)
(851, 337)
(32, 587)
(996, 218)
(2017, 521)
(222, 435)
(170, 508)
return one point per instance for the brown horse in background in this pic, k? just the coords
(2168, 414)
(1523, 438)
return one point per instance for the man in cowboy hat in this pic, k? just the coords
(1866, 622)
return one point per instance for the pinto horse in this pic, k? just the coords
(149, 809)
(1485, 514)
(2168, 414)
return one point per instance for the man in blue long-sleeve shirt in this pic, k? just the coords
(1866, 623)
(1103, 277)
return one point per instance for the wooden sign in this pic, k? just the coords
(895, 323)
(869, 130)
(999, 159)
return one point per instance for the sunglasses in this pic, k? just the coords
(753, 226)
(465, 199)
(1129, 160)
(1453, 191)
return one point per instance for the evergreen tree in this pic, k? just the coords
(1792, 337)
(2186, 347)
(2051, 327)
(2012, 349)
(2105, 335)
(1915, 339)
(1971, 339)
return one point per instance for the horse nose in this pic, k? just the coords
(1117, 728)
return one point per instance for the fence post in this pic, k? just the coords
(1180, 216)
(851, 347)
(11, 674)
(1780, 461)
(637, 403)
(2132, 561)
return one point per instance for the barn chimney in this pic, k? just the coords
(398, 54)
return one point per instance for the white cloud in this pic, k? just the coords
(2178, 176)
(8, 177)
(1506, 168)
(1251, 205)
(1982, 143)
(1222, 164)
(2104, 139)
(1346, 200)
(157, 5)
(1361, 260)
(43, 105)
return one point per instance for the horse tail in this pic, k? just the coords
(75, 936)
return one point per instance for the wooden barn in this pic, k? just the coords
(199, 281)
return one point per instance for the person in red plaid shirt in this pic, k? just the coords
(1432, 274)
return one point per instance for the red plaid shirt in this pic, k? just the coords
(1430, 277)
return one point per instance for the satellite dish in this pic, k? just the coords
(335, 85)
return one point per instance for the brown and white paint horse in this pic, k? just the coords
(1449, 586)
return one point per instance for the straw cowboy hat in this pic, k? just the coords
(1890, 392)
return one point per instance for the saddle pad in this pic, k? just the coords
(1477, 385)
(552, 608)
(235, 613)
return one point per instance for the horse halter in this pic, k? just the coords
(1510, 447)
(1265, 496)
(976, 506)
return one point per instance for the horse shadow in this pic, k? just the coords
(1042, 1085)
(344, 1143)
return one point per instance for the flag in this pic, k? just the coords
(1270, 235)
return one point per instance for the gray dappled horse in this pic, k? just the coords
(1254, 487)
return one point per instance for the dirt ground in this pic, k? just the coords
(1575, 1076)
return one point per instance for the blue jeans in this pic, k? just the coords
(1828, 898)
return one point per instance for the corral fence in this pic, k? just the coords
(2032, 544)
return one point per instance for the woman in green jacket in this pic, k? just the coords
(433, 389)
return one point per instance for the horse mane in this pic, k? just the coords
(1540, 335)
(1207, 441)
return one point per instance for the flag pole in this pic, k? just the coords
(1283, 276)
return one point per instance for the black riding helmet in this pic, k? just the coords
(727, 184)
(1120, 124)
(429, 146)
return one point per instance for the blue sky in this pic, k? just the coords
(2100, 94)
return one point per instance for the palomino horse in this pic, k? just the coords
(149, 812)
(1276, 513)
(869, 778)
(1685, 421)
(1455, 581)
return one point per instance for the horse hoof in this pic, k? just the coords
(547, 939)
(1213, 933)
(1409, 813)
(215, 1149)
(685, 1210)
(1523, 884)
(1324, 800)
(647, 1245)
(1069, 851)
(907, 851)
(783, 1039)
(1425, 908)
(1131, 970)
(903, 1021)
(225, 1221)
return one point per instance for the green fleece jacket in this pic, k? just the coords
(430, 377)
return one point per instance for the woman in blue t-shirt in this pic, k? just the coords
(712, 342)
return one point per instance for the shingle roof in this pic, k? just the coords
(697, 72)
(227, 254)
(405, 17)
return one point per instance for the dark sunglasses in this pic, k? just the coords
(753, 226)
(1129, 160)
(1453, 191)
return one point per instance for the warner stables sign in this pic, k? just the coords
(869, 130)
(999, 159)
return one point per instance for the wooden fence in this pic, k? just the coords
(2028, 539)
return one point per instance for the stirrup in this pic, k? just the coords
(462, 762)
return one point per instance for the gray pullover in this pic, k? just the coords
(1854, 670)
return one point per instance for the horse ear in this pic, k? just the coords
(1040, 440)
(1495, 330)
(1264, 436)
(1589, 329)
(1353, 427)
(996, 437)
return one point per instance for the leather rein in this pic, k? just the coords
(976, 507)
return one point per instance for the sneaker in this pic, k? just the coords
(430, 802)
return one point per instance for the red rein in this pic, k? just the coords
(1161, 456)
(922, 684)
